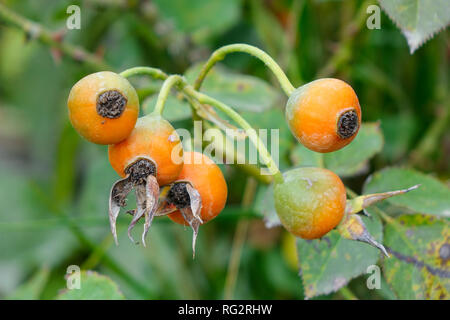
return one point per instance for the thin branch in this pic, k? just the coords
(36, 31)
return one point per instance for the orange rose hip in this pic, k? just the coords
(324, 115)
(103, 107)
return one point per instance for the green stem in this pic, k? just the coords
(36, 31)
(220, 54)
(254, 138)
(164, 92)
(153, 72)
(205, 99)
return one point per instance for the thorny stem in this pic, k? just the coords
(203, 98)
(164, 92)
(36, 31)
(220, 54)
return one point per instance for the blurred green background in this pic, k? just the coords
(54, 185)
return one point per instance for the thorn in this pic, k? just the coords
(58, 36)
(56, 55)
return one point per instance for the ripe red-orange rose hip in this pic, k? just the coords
(324, 115)
(207, 178)
(154, 139)
(198, 195)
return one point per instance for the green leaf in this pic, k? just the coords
(353, 158)
(93, 286)
(265, 205)
(432, 197)
(347, 161)
(302, 156)
(329, 263)
(175, 109)
(243, 92)
(419, 20)
(200, 19)
(419, 267)
(31, 290)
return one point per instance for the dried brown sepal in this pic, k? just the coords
(152, 195)
(140, 177)
(164, 209)
(358, 204)
(194, 222)
(196, 202)
(139, 211)
(184, 197)
(353, 228)
(147, 195)
(117, 199)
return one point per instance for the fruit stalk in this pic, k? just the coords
(164, 92)
(189, 91)
(220, 54)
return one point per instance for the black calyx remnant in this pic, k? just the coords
(111, 104)
(348, 124)
(140, 170)
(179, 196)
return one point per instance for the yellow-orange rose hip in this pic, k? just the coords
(103, 107)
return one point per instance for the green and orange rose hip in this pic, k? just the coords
(310, 201)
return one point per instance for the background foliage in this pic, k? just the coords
(54, 185)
